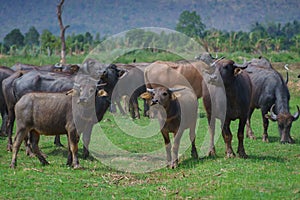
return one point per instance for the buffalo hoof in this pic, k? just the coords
(175, 164)
(251, 136)
(290, 141)
(77, 166)
(212, 153)
(242, 154)
(265, 138)
(194, 154)
(9, 147)
(44, 162)
(230, 155)
(12, 166)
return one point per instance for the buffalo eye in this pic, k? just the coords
(165, 94)
(92, 90)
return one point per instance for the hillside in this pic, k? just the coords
(110, 17)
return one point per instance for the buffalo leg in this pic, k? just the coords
(3, 125)
(227, 136)
(73, 138)
(120, 107)
(133, 103)
(57, 141)
(211, 128)
(240, 135)
(9, 128)
(168, 147)
(265, 125)
(86, 137)
(21, 133)
(194, 153)
(249, 130)
(175, 149)
(34, 140)
(146, 108)
(27, 144)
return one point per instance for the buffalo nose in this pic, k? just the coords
(82, 100)
(213, 77)
(154, 101)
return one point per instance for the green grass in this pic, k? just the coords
(272, 170)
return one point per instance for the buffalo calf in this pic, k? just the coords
(45, 114)
(176, 110)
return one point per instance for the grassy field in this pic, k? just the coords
(272, 170)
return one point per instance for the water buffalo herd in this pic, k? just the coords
(71, 99)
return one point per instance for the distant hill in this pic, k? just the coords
(113, 16)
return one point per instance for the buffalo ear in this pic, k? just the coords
(237, 71)
(175, 96)
(71, 92)
(75, 68)
(102, 93)
(146, 95)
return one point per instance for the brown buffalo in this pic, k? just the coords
(176, 110)
(168, 74)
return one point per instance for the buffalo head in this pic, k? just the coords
(284, 121)
(160, 98)
(223, 71)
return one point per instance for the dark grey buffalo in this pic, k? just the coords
(18, 84)
(66, 68)
(227, 97)
(176, 110)
(270, 89)
(131, 86)
(45, 114)
(5, 72)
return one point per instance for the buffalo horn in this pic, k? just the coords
(287, 73)
(242, 66)
(273, 115)
(176, 89)
(296, 115)
(77, 85)
(101, 84)
(214, 63)
(150, 90)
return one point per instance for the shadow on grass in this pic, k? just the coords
(275, 139)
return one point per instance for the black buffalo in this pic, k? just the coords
(5, 72)
(270, 89)
(227, 97)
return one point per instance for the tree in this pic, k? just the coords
(48, 42)
(15, 37)
(32, 37)
(190, 24)
(62, 32)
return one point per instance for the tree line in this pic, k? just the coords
(262, 38)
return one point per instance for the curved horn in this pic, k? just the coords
(273, 115)
(101, 84)
(214, 63)
(296, 115)
(176, 89)
(77, 85)
(287, 73)
(242, 66)
(150, 90)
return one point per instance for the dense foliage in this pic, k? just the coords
(262, 38)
